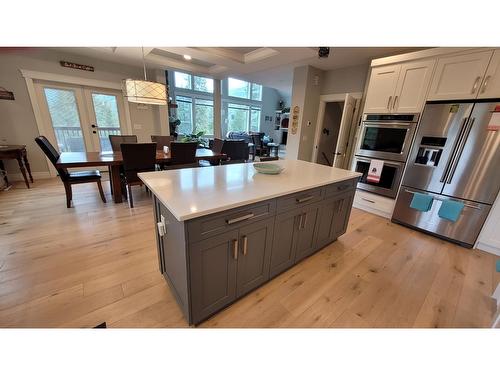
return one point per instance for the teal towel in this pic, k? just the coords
(421, 202)
(498, 265)
(450, 210)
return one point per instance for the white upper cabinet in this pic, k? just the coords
(459, 77)
(490, 87)
(381, 89)
(413, 83)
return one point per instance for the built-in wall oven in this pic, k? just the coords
(390, 177)
(387, 137)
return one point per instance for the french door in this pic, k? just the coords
(80, 118)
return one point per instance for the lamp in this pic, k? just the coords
(144, 91)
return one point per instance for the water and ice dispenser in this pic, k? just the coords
(430, 150)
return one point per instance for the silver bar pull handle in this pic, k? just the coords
(304, 199)
(368, 200)
(238, 219)
(460, 149)
(395, 101)
(301, 216)
(476, 82)
(452, 156)
(235, 249)
(245, 245)
(389, 103)
(486, 80)
(305, 221)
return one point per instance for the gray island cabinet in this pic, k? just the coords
(214, 249)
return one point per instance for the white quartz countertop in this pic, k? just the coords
(193, 192)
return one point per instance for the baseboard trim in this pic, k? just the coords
(489, 248)
(36, 176)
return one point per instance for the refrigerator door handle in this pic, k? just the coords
(459, 151)
(453, 152)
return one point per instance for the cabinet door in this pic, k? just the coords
(412, 87)
(459, 77)
(343, 205)
(381, 89)
(283, 250)
(213, 274)
(491, 83)
(306, 232)
(255, 254)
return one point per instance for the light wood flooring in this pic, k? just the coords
(97, 262)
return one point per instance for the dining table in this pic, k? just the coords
(114, 160)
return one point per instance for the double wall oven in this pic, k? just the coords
(386, 137)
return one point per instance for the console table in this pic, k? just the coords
(19, 153)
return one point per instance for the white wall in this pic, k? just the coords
(349, 79)
(305, 94)
(17, 122)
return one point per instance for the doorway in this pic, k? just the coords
(80, 118)
(335, 129)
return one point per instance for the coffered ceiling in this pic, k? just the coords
(270, 66)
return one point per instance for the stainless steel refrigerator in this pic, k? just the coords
(455, 155)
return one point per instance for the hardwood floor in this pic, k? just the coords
(97, 262)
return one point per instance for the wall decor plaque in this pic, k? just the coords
(72, 65)
(295, 119)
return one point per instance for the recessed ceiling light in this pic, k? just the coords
(187, 57)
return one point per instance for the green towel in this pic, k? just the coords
(451, 210)
(421, 202)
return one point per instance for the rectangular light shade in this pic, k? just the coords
(146, 92)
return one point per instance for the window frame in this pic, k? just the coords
(194, 95)
(250, 87)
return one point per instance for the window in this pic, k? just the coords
(182, 80)
(243, 89)
(243, 118)
(189, 82)
(203, 84)
(197, 118)
(194, 97)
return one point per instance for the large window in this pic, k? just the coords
(242, 117)
(243, 89)
(194, 97)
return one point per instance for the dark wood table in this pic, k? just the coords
(19, 153)
(113, 160)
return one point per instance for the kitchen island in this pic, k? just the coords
(223, 231)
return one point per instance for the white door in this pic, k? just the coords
(381, 89)
(459, 77)
(491, 83)
(340, 156)
(80, 119)
(412, 87)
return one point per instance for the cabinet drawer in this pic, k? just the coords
(298, 199)
(340, 187)
(215, 224)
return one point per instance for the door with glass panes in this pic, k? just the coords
(78, 118)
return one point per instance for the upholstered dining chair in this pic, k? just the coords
(236, 151)
(137, 157)
(117, 140)
(216, 147)
(183, 155)
(69, 178)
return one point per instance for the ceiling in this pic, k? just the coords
(270, 66)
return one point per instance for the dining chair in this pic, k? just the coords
(258, 148)
(216, 147)
(137, 157)
(183, 155)
(236, 151)
(69, 178)
(117, 140)
(161, 140)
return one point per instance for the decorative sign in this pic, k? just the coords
(295, 119)
(6, 95)
(71, 65)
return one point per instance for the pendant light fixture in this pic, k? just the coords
(144, 91)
